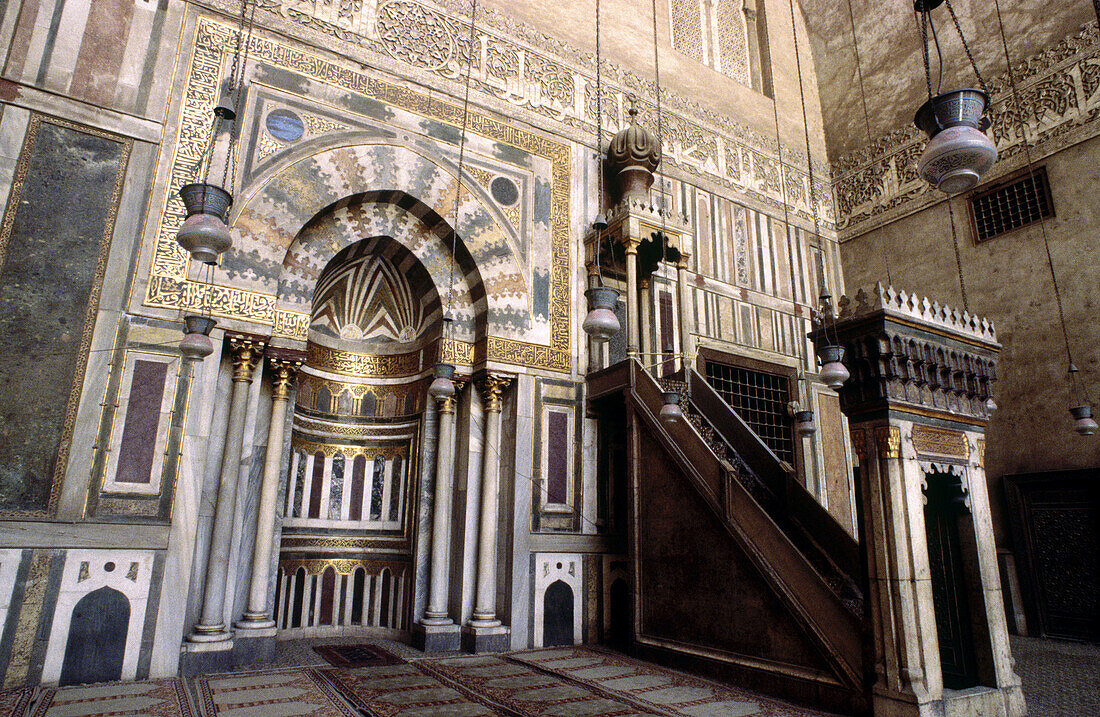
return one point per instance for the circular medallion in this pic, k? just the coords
(504, 191)
(285, 125)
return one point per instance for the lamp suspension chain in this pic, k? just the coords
(662, 210)
(462, 152)
(245, 27)
(966, 47)
(958, 257)
(1031, 174)
(600, 223)
(866, 120)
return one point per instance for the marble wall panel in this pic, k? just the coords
(53, 245)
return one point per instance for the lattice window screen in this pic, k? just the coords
(1012, 205)
(761, 400)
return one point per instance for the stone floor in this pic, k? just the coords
(1060, 680)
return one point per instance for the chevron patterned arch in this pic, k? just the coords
(290, 226)
(400, 237)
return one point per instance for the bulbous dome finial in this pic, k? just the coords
(633, 156)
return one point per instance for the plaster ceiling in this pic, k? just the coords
(887, 37)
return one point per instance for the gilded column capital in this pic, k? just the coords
(286, 370)
(447, 403)
(630, 244)
(888, 440)
(247, 352)
(492, 388)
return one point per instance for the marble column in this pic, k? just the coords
(632, 336)
(645, 321)
(258, 621)
(436, 631)
(687, 315)
(484, 632)
(211, 627)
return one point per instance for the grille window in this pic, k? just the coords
(761, 400)
(1011, 205)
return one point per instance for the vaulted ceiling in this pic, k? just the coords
(887, 37)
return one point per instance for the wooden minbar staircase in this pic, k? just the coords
(738, 572)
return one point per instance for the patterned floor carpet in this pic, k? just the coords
(558, 682)
(1060, 679)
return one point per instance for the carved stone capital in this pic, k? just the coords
(286, 370)
(630, 244)
(247, 352)
(492, 388)
(888, 440)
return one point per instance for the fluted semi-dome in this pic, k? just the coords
(633, 156)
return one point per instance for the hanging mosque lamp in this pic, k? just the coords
(196, 344)
(205, 233)
(601, 323)
(958, 151)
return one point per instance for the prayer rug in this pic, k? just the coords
(150, 698)
(15, 702)
(401, 690)
(656, 688)
(364, 655)
(266, 693)
(518, 690)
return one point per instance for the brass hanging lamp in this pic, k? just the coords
(958, 151)
(601, 323)
(205, 233)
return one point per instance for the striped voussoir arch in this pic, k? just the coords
(291, 226)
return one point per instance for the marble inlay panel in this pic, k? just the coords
(53, 249)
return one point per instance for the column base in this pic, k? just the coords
(436, 638)
(211, 634)
(478, 639)
(255, 623)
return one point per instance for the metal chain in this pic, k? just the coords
(969, 56)
(237, 89)
(599, 148)
(462, 150)
(958, 258)
(1031, 174)
(924, 46)
(660, 132)
(866, 120)
(806, 128)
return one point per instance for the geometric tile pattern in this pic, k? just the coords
(357, 655)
